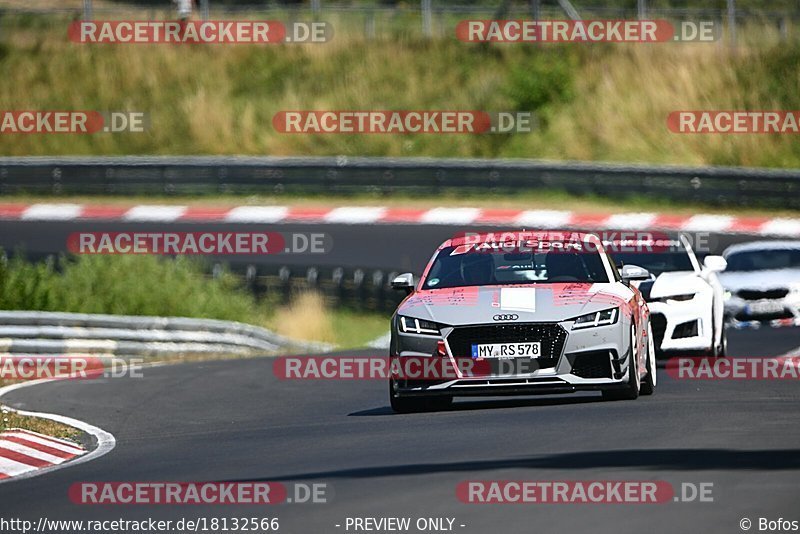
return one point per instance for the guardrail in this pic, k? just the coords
(725, 186)
(126, 335)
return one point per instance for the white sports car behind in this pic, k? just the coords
(686, 299)
(762, 281)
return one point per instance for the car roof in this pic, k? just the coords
(519, 235)
(762, 245)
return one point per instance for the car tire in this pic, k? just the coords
(631, 392)
(648, 386)
(722, 350)
(417, 404)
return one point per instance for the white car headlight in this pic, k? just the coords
(418, 326)
(675, 298)
(601, 318)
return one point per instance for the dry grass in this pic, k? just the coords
(608, 102)
(11, 419)
(305, 318)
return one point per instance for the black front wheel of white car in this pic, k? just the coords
(722, 349)
(648, 386)
(631, 391)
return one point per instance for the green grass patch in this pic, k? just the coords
(594, 103)
(180, 287)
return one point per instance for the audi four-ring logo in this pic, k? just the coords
(506, 317)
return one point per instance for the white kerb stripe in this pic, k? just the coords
(257, 214)
(789, 227)
(630, 221)
(154, 213)
(450, 216)
(52, 212)
(543, 218)
(355, 214)
(12, 468)
(27, 451)
(708, 223)
(36, 439)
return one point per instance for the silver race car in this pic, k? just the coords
(520, 313)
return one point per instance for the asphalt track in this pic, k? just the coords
(233, 420)
(394, 247)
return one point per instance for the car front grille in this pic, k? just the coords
(659, 324)
(551, 335)
(759, 294)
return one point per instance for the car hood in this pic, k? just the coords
(539, 303)
(676, 283)
(768, 279)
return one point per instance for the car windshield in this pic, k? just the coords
(656, 262)
(454, 269)
(757, 260)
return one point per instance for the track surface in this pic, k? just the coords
(234, 421)
(400, 247)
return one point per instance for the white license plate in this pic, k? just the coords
(507, 350)
(764, 307)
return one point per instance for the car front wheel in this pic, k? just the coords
(631, 391)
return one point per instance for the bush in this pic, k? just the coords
(125, 285)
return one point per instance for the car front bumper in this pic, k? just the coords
(592, 359)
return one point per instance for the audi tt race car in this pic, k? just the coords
(686, 299)
(521, 313)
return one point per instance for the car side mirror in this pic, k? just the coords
(630, 273)
(715, 264)
(405, 282)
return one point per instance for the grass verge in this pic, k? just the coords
(149, 285)
(11, 419)
(607, 102)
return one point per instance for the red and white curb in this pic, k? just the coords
(767, 226)
(25, 454)
(23, 451)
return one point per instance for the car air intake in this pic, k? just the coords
(687, 329)
(591, 364)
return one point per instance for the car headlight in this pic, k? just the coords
(601, 318)
(794, 288)
(418, 326)
(728, 295)
(675, 298)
